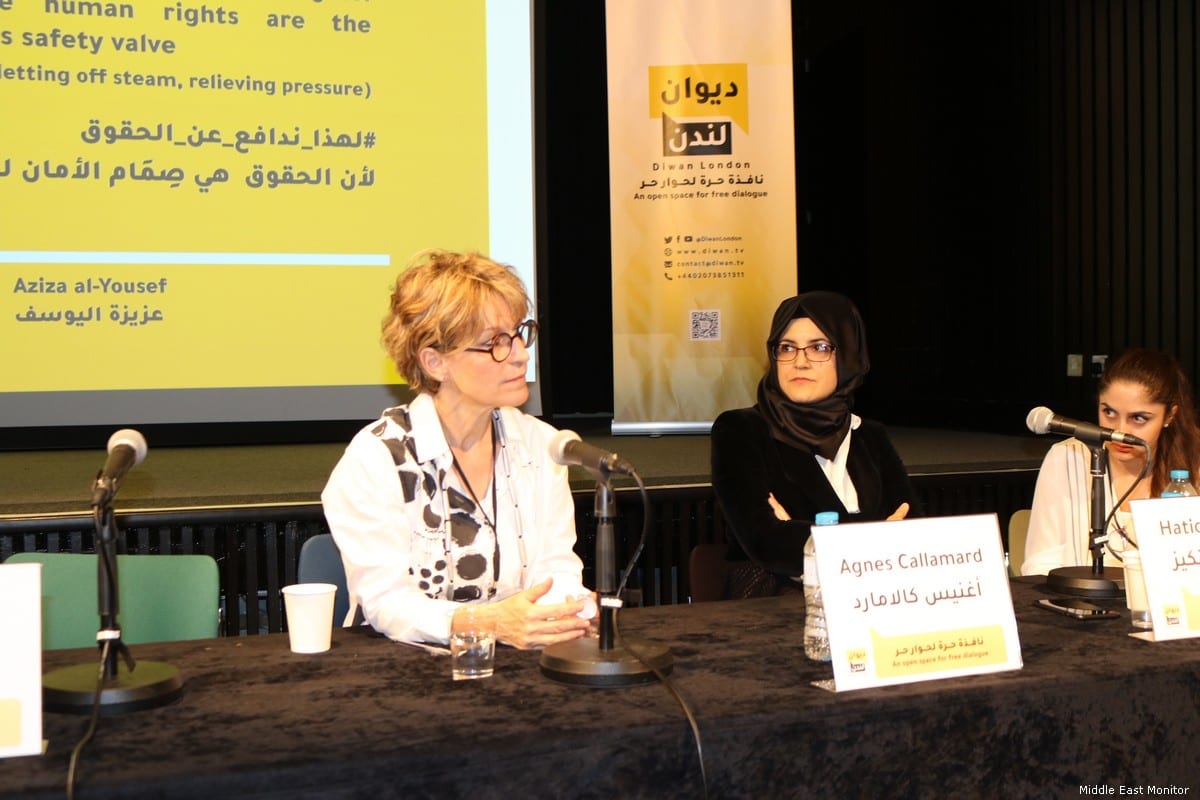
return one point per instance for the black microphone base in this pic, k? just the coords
(1084, 582)
(581, 662)
(73, 689)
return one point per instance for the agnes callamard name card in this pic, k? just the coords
(916, 600)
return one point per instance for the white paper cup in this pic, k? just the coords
(309, 609)
(1135, 590)
(472, 644)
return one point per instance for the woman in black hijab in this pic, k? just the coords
(799, 450)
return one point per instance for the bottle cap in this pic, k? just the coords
(826, 518)
(1179, 474)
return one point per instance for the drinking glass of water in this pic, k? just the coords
(472, 643)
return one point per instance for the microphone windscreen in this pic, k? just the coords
(558, 446)
(1039, 420)
(132, 439)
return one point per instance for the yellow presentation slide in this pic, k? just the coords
(219, 194)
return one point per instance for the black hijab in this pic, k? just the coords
(816, 427)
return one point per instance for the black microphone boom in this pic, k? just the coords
(126, 449)
(1096, 580)
(121, 684)
(1043, 420)
(603, 661)
(568, 449)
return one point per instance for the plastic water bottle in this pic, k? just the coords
(1180, 485)
(816, 636)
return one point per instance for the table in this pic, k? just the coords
(371, 718)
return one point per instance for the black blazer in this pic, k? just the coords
(747, 465)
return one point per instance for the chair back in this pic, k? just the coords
(161, 598)
(321, 562)
(1018, 527)
(708, 572)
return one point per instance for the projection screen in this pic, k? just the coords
(204, 205)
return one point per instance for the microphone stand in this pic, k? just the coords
(118, 686)
(1096, 581)
(604, 507)
(604, 662)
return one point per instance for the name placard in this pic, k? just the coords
(916, 600)
(21, 661)
(1167, 531)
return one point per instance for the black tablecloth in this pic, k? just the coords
(371, 718)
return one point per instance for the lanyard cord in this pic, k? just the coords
(522, 555)
(495, 518)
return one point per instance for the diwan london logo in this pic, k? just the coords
(699, 105)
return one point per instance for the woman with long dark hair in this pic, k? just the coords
(1145, 393)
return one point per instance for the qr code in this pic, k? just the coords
(705, 326)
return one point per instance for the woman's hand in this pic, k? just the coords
(524, 624)
(780, 512)
(590, 612)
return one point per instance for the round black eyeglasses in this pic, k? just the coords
(500, 346)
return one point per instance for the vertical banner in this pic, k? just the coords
(703, 201)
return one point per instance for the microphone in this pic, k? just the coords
(126, 449)
(123, 684)
(1043, 420)
(568, 449)
(602, 660)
